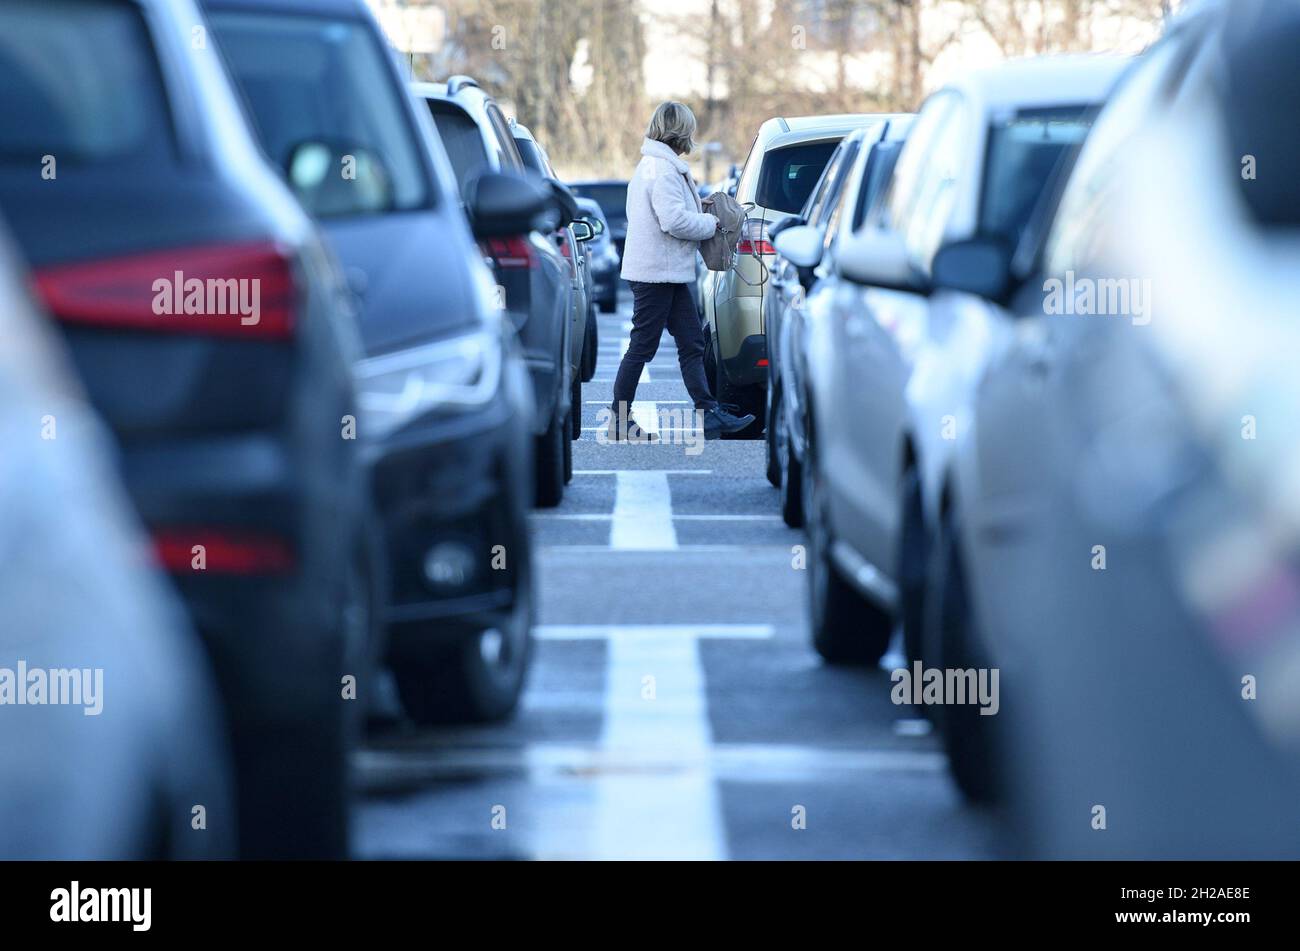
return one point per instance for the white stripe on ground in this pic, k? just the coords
(588, 632)
(604, 517)
(734, 762)
(605, 472)
(643, 511)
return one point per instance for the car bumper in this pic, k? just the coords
(453, 494)
(749, 366)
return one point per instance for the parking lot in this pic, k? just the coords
(675, 567)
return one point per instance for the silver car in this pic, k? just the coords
(1121, 534)
(889, 363)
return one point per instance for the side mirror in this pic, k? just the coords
(597, 226)
(879, 258)
(582, 230)
(503, 205)
(565, 200)
(801, 245)
(312, 169)
(979, 266)
(794, 221)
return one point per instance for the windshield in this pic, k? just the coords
(315, 80)
(611, 197)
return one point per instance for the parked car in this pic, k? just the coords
(1117, 538)
(533, 278)
(785, 161)
(570, 238)
(611, 195)
(851, 182)
(122, 782)
(888, 362)
(446, 407)
(206, 321)
(604, 259)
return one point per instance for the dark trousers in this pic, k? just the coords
(654, 307)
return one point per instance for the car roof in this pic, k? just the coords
(521, 131)
(1042, 81)
(780, 132)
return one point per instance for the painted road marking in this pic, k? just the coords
(643, 512)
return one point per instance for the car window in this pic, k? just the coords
(1076, 233)
(923, 218)
(507, 151)
(789, 175)
(462, 140)
(747, 181)
(1022, 155)
(316, 79)
(879, 168)
(817, 201)
(81, 84)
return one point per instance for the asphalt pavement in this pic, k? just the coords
(675, 708)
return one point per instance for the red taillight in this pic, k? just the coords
(221, 552)
(753, 238)
(235, 290)
(513, 252)
(761, 363)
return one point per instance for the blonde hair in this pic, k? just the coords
(673, 124)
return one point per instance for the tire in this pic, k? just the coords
(968, 737)
(575, 413)
(773, 410)
(476, 680)
(913, 564)
(568, 448)
(846, 628)
(791, 487)
(589, 349)
(551, 448)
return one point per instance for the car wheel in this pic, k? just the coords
(571, 424)
(773, 458)
(551, 447)
(791, 482)
(479, 679)
(589, 345)
(913, 562)
(968, 735)
(846, 627)
(575, 411)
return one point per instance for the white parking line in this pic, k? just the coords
(656, 707)
(605, 517)
(590, 632)
(643, 511)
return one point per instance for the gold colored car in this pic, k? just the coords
(785, 161)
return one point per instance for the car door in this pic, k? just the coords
(883, 330)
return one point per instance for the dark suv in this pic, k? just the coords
(207, 322)
(534, 281)
(446, 405)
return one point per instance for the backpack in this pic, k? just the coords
(719, 250)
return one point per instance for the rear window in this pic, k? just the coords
(1022, 155)
(460, 136)
(310, 79)
(80, 83)
(790, 174)
(534, 158)
(611, 198)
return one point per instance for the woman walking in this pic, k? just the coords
(665, 225)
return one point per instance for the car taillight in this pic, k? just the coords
(753, 238)
(513, 252)
(221, 552)
(236, 290)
